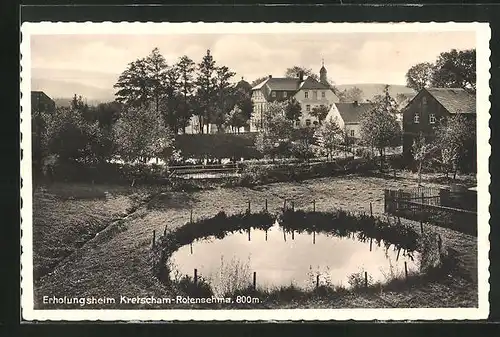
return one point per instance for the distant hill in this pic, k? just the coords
(370, 90)
(66, 101)
(60, 88)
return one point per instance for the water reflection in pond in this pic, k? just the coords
(282, 258)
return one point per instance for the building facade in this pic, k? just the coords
(40, 102)
(309, 92)
(348, 116)
(431, 106)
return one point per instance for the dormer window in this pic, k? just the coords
(273, 94)
(416, 118)
(306, 94)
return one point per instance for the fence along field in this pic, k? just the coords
(452, 208)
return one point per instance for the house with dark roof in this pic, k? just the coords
(348, 116)
(41, 102)
(431, 106)
(306, 90)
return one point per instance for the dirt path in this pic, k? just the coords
(118, 264)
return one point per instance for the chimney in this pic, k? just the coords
(270, 76)
(301, 76)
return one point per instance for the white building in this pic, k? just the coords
(348, 116)
(309, 92)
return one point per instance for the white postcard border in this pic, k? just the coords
(483, 35)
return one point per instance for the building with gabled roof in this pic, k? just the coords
(306, 90)
(348, 116)
(429, 107)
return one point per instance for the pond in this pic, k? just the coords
(284, 258)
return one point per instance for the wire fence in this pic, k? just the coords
(452, 209)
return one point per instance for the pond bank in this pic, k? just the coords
(120, 265)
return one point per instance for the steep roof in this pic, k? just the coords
(261, 84)
(290, 84)
(283, 84)
(311, 84)
(351, 112)
(244, 85)
(455, 100)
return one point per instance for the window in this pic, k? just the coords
(416, 118)
(315, 94)
(351, 132)
(432, 119)
(323, 94)
(273, 94)
(306, 94)
(308, 122)
(308, 108)
(284, 93)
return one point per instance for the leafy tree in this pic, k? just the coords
(421, 150)
(454, 137)
(186, 68)
(302, 143)
(225, 96)
(293, 110)
(351, 95)
(320, 112)
(293, 72)
(379, 127)
(331, 135)
(274, 138)
(133, 85)
(141, 135)
(68, 136)
(205, 82)
(419, 76)
(156, 76)
(456, 69)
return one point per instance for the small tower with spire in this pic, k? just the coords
(323, 73)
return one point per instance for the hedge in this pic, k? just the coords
(219, 145)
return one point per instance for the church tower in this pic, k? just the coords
(323, 73)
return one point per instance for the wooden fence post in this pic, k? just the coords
(440, 243)
(191, 216)
(191, 247)
(284, 234)
(249, 207)
(154, 239)
(314, 236)
(371, 242)
(317, 281)
(165, 230)
(254, 280)
(266, 204)
(284, 205)
(366, 279)
(249, 234)
(314, 205)
(406, 270)
(371, 210)
(266, 234)
(293, 236)
(293, 206)
(195, 276)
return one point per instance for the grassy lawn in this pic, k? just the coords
(66, 216)
(117, 261)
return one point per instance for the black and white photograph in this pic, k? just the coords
(255, 171)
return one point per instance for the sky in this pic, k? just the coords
(97, 60)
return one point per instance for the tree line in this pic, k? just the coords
(185, 89)
(452, 69)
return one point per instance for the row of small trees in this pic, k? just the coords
(185, 89)
(97, 134)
